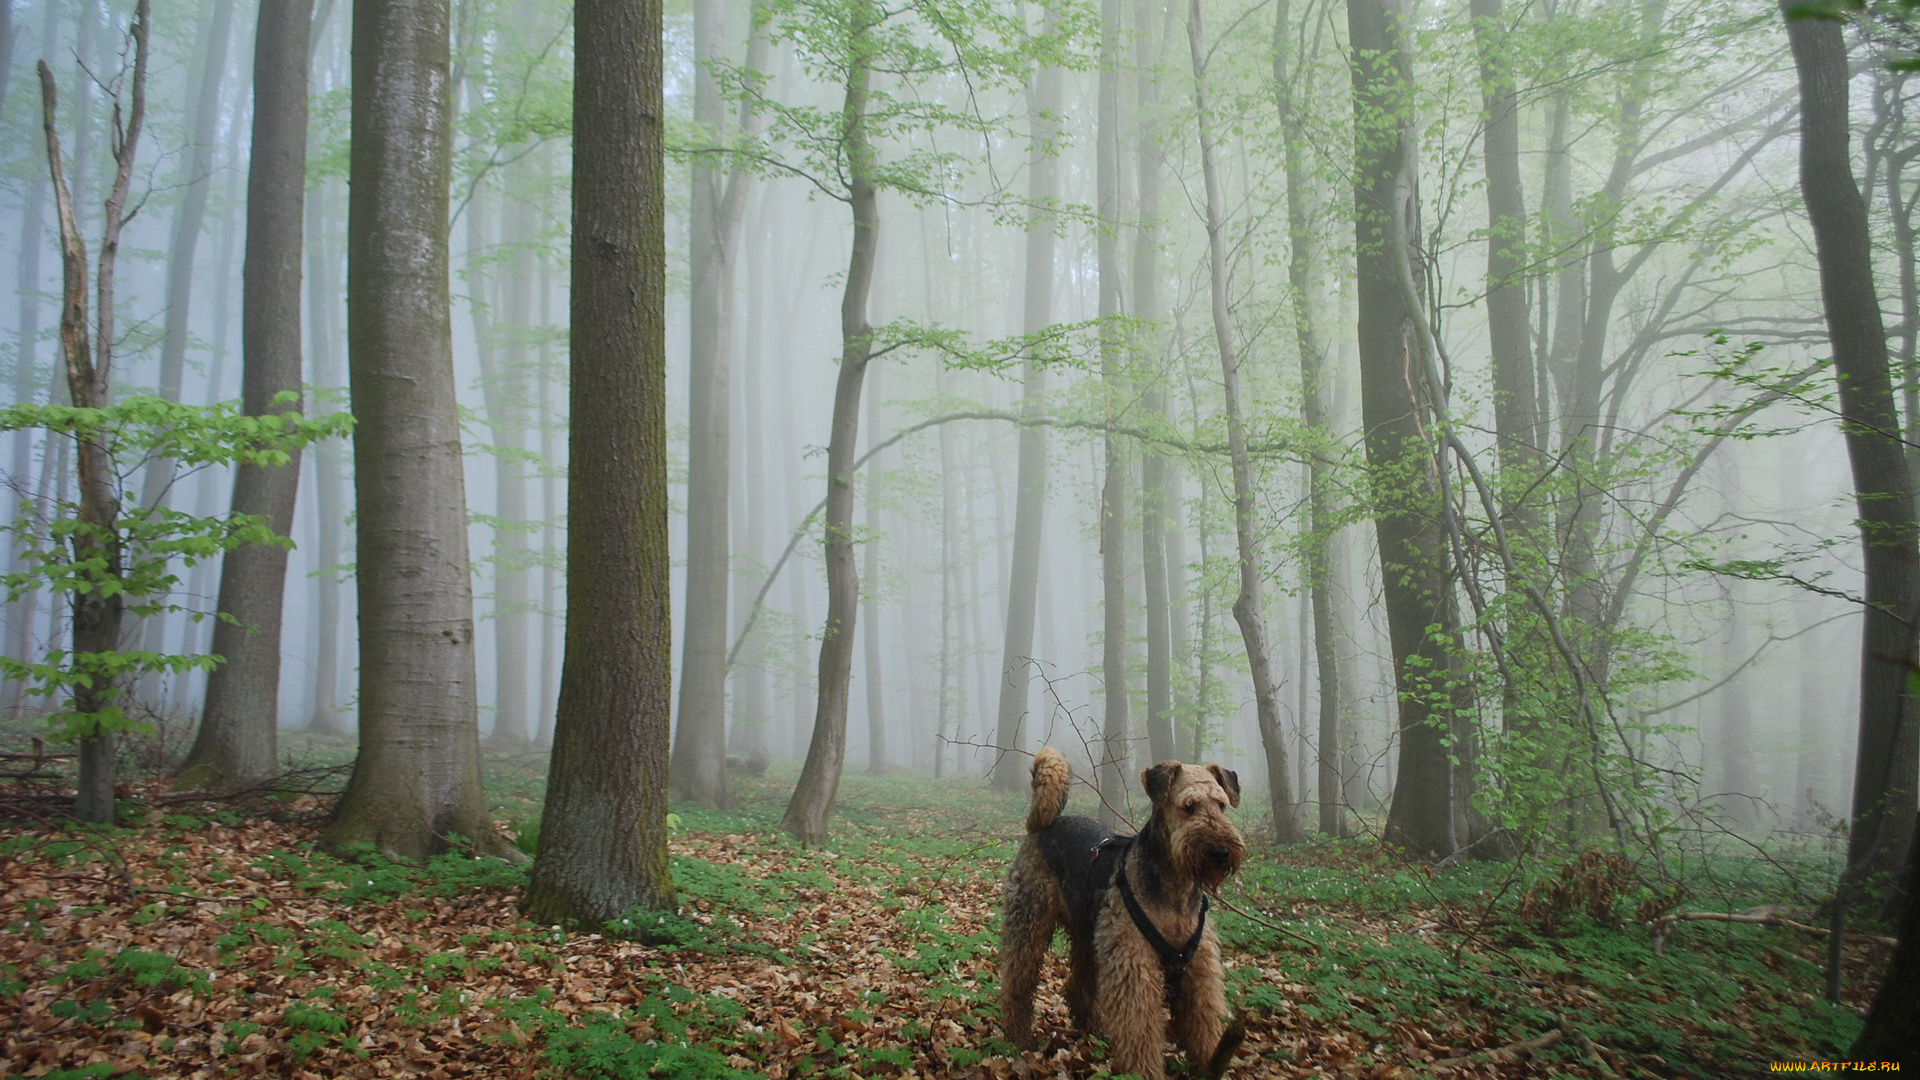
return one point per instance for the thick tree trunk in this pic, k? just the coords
(416, 779)
(237, 741)
(1885, 770)
(1030, 499)
(1110, 759)
(1888, 1033)
(1395, 412)
(1248, 607)
(603, 838)
(811, 806)
(1302, 278)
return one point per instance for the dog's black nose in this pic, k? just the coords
(1220, 855)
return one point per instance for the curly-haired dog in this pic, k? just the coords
(1135, 909)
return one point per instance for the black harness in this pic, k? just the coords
(1173, 962)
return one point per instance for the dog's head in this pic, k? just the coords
(1190, 804)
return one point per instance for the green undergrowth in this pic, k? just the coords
(1346, 938)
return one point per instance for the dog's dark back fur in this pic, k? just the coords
(1074, 851)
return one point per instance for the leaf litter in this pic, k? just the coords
(215, 947)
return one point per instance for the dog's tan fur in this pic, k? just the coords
(1116, 982)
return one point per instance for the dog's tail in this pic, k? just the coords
(1051, 778)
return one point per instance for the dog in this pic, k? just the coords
(1135, 911)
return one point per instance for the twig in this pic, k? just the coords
(1760, 918)
(1243, 913)
(1512, 1049)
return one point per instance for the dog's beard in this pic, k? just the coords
(1200, 866)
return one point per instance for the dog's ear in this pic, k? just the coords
(1229, 780)
(1159, 779)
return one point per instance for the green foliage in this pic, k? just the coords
(158, 971)
(918, 49)
(370, 876)
(138, 553)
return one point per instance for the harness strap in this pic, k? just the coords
(1173, 962)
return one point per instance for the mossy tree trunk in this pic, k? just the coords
(603, 837)
(416, 779)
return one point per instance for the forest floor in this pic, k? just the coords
(210, 940)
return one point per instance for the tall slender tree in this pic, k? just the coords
(416, 779)
(237, 740)
(1030, 478)
(1249, 609)
(1884, 783)
(1292, 96)
(719, 205)
(88, 352)
(1113, 753)
(603, 842)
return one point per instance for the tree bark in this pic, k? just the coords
(1248, 607)
(21, 618)
(416, 779)
(1396, 412)
(1895, 1015)
(97, 613)
(1885, 771)
(1314, 407)
(699, 763)
(811, 806)
(870, 633)
(1110, 764)
(331, 487)
(1156, 509)
(603, 838)
(1030, 500)
(238, 738)
(1515, 423)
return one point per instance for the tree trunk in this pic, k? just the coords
(6, 53)
(504, 394)
(754, 502)
(1302, 275)
(699, 769)
(1248, 608)
(603, 837)
(811, 806)
(96, 612)
(1110, 759)
(1888, 1033)
(1030, 501)
(416, 779)
(1739, 786)
(237, 740)
(196, 176)
(870, 633)
(331, 488)
(1885, 769)
(1515, 424)
(1155, 508)
(1396, 412)
(21, 619)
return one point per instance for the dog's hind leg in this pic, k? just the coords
(1032, 909)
